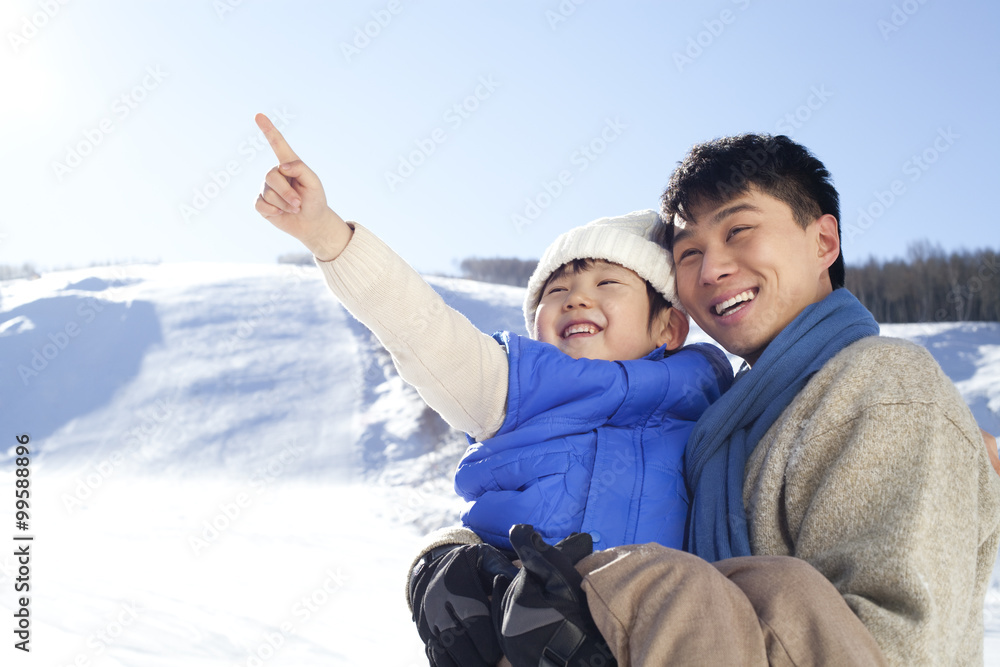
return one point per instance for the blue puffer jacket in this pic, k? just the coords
(591, 446)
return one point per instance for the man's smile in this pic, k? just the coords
(734, 303)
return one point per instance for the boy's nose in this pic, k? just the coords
(577, 299)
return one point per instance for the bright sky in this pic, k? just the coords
(457, 129)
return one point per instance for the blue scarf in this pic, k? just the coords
(725, 436)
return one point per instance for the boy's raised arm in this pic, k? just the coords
(422, 333)
(293, 200)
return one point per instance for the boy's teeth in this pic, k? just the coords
(579, 328)
(729, 303)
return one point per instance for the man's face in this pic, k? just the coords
(745, 269)
(601, 312)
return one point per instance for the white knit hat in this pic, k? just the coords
(625, 240)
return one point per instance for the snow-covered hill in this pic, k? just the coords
(225, 468)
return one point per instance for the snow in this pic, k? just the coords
(226, 469)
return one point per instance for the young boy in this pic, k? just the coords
(593, 446)
(600, 398)
(600, 401)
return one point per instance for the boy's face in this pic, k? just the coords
(751, 260)
(602, 312)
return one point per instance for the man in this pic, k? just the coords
(843, 509)
(849, 452)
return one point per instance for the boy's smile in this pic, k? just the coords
(746, 268)
(581, 328)
(601, 312)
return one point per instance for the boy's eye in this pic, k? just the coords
(687, 252)
(608, 281)
(553, 290)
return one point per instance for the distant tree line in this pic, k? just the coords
(930, 285)
(8, 272)
(499, 270)
(298, 258)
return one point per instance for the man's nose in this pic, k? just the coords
(716, 264)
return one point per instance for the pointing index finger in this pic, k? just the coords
(281, 149)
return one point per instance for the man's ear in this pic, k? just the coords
(827, 240)
(671, 328)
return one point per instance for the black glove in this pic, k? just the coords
(449, 591)
(542, 616)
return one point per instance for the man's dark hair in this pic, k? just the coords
(657, 302)
(719, 170)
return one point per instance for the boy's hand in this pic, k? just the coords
(450, 593)
(292, 199)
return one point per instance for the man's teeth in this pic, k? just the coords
(729, 303)
(579, 328)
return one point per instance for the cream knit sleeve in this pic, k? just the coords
(458, 370)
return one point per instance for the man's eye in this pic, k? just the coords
(690, 252)
(736, 230)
